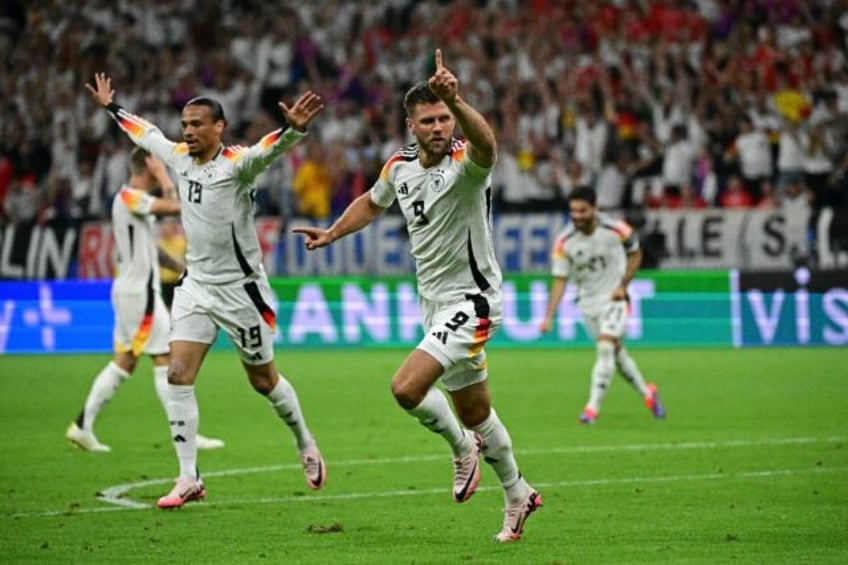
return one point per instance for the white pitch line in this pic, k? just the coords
(116, 495)
(764, 474)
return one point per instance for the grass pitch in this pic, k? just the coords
(749, 467)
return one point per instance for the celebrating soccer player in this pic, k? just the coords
(224, 286)
(444, 188)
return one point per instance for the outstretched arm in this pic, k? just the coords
(306, 107)
(359, 214)
(482, 147)
(255, 159)
(140, 131)
(102, 92)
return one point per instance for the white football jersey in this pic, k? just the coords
(136, 252)
(448, 216)
(217, 198)
(596, 262)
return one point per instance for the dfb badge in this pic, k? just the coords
(437, 179)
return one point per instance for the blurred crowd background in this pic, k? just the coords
(655, 103)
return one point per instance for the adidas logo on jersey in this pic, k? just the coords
(441, 336)
(403, 189)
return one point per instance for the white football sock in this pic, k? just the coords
(435, 414)
(284, 401)
(497, 452)
(631, 373)
(601, 374)
(103, 388)
(184, 418)
(160, 383)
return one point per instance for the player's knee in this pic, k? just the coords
(406, 394)
(263, 379)
(263, 386)
(178, 373)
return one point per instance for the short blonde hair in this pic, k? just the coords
(138, 160)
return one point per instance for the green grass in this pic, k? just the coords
(749, 467)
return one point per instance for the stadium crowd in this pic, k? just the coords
(655, 103)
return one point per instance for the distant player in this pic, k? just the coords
(224, 286)
(601, 255)
(141, 318)
(444, 186)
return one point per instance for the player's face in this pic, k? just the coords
(432, 125)
(582, 214)
(200, 132)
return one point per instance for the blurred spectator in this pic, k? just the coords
(611, 184)
(752, 150)
(736, 194)
(313, 182)
(790, 158)
(678, 161)
(22, 202)
(512, 185)
(768, 198)
(575, 175)
(591, 139)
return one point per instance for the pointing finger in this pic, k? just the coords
(439, 64)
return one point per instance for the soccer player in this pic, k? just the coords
(444, 189)
(141, 318)
(601, 255)
(224, 286)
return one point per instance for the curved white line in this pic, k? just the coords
(116, 495)
(764, 474)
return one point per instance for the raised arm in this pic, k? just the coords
(482, 147)
(255, 159)
(304, 109)
(359, 214)
(140, 131)
(102, 92)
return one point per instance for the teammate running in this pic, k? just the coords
(601, 255)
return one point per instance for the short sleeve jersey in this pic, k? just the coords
(448, 216)
(595, 262)
(217, 198)
(136, 254)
